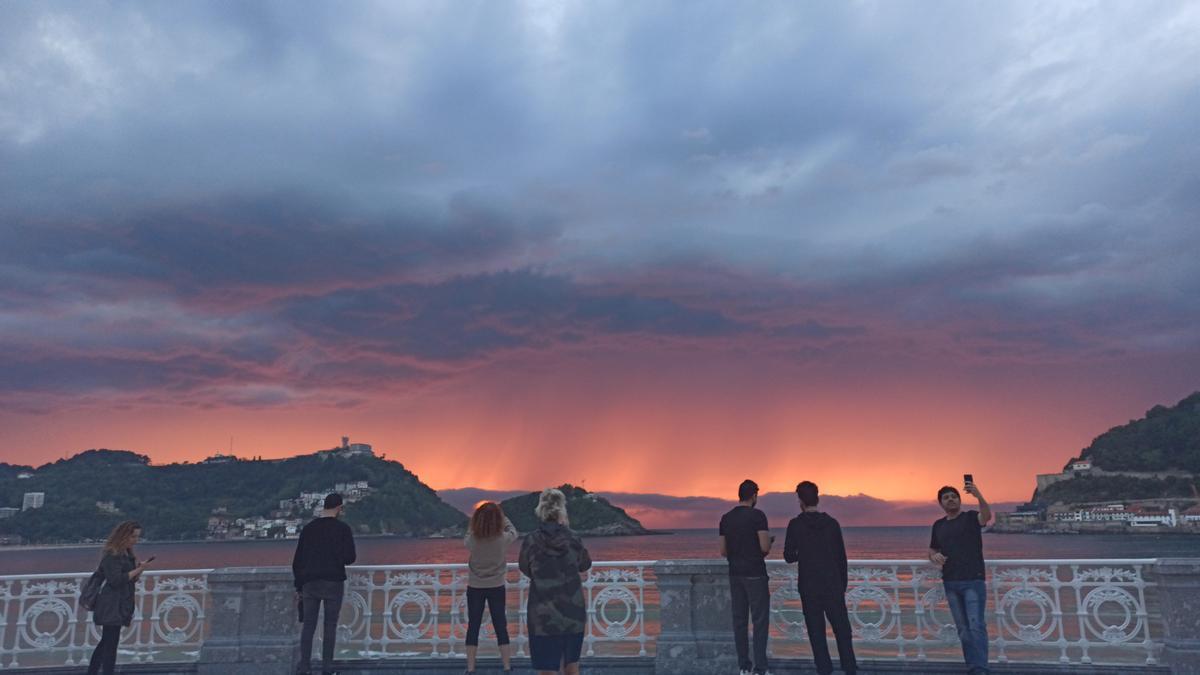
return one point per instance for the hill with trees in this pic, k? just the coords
(175, 501)
(589, 513)
(1166, 438)
(1148, 458)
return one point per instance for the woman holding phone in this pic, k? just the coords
(488, 538)
(114, 605)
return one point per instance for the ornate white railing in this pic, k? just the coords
(42, 624)
(1057, 611)
(421, 610)
(1064, 611)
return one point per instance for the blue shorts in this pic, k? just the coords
(548, 652)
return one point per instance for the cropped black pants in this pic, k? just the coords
(494, 597)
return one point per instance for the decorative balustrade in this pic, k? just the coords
(1070, 612)
(421, 610)
(42, 624)
(1048, 611)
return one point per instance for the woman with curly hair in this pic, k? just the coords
(114, 606)
(488, 537)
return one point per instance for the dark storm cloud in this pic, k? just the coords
(280, 193)
(265, 241)
(473, 317)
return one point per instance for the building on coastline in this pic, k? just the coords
(24, 475)
(8, 512)
(1154, 517)
(33, 500)
(1103, 517)
(348, 449)
(219, 458)
(1094, 514)
(1191, 515)
(107, 507)
(1019, 518)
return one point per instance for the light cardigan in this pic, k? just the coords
(487, 566)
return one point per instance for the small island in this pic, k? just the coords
(1138, 478)
(591, 515)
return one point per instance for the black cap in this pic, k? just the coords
(333, 500)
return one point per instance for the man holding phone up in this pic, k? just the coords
(956, 545)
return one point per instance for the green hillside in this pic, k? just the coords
(1166, 438)
(174, 501)
(589, 513)
(1114, 488)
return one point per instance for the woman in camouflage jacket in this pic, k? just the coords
(552, 556)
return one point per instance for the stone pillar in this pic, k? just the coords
(252, 623)
(1179, 596)
(696, 626)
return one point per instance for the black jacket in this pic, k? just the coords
(814, 543)
(326, 546)
(114, 605)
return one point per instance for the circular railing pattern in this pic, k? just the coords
(400, 617)
(625, 602)
(57, 613)
(871, 612)
(188, 628)
(1129, 624)
(1012, 614)
(787, 614)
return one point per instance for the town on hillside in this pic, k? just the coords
(1151, 515)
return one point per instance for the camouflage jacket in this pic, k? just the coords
(552, 557)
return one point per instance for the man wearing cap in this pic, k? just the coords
(326, 546)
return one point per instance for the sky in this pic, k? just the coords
(649, 248)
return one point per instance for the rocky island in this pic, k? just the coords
(591, 515)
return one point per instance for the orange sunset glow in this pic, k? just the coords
(650, 263)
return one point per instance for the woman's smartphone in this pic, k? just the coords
(148, 560)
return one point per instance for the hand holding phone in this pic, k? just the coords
(149, 560)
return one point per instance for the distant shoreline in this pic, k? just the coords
(167, 542)
(1141, 532)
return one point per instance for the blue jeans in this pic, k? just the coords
(968, 604)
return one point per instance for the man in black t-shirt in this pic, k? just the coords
(745, 543)
(956, 545)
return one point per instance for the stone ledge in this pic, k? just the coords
(646, 666)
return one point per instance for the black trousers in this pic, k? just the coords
(494, 597)
(315, 594)
(832, 604)
(750, 599)
(104, 657)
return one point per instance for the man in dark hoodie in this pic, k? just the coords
(814, 543)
